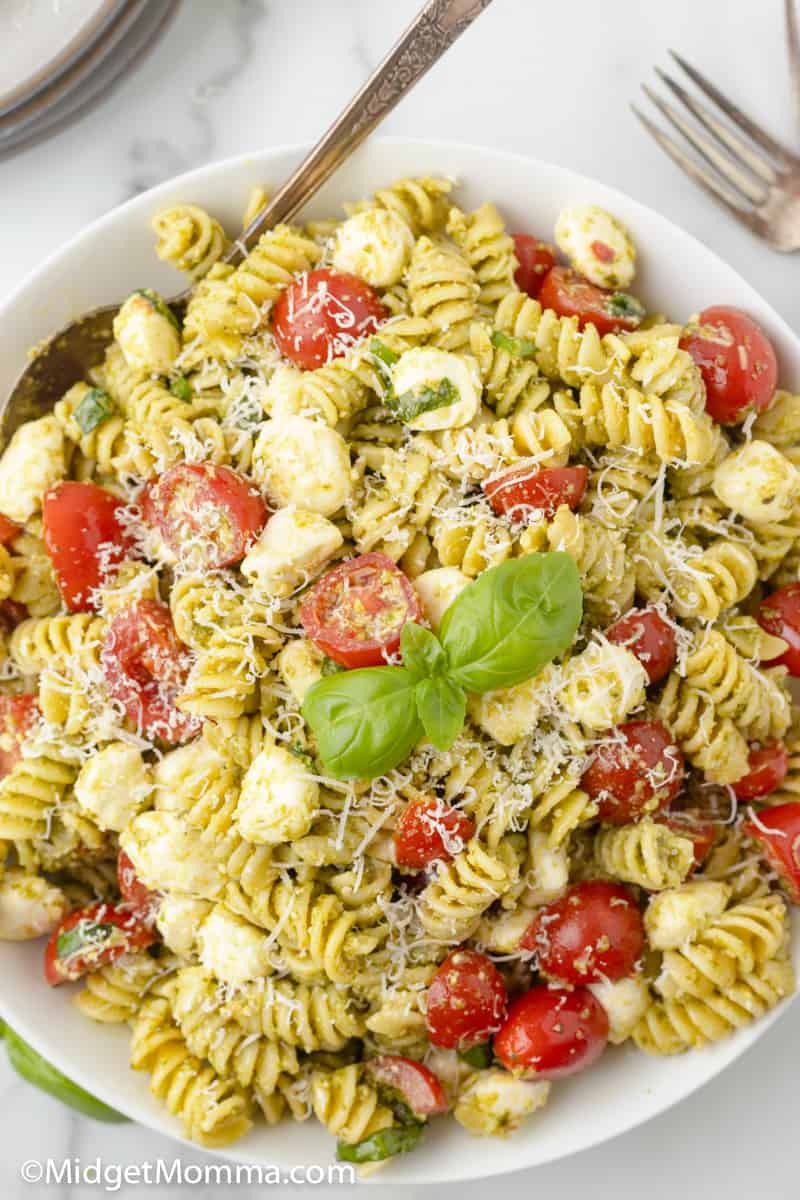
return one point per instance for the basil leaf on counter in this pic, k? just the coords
(442, 707)
(365, 722)
(512, 620)
(38, 1071)
(95, 408)
(422, 651)
(398, 1139)
(516, 346)
(410, 404)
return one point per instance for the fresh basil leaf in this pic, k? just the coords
(95, 408)
(86, 935)
(517, 347)
(181, 388)
(623, 304)
(385, 1144)
(330, 667)
(411, 404)
(159, 305)
(380, 350)
(422, 651)
(477, 1056)
(442, 707)
(365, 721)
(512, 620)
(42, 1074)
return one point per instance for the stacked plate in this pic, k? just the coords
(62, 56)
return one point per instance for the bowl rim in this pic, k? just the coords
(721, 1055)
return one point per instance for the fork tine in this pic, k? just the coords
(733, 175)
(735, 114)
(733, 141)
(793, 46)
(700, 174)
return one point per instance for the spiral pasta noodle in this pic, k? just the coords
(188, 238)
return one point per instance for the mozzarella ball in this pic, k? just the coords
(602, 685)
(231, 948)
(625, 1002)
(32, 462)
(169, 856)
(278, 799)
(29, 906)
(510, 714)
(294, 546)
(759, 483)
(677, 914)
(502, 934)
(303, 463)
(299, 665)
(597, 245)
(178, 920)
(549, 874)
(423, 369)
(494, 1103)
(437, 589)
(147, 333)
(376, 245)
(113, 785)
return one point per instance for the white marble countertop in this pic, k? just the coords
(550, 80)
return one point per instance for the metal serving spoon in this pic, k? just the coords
(67, 355)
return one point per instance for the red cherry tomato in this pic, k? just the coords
(416, 1085)
(649, 637)
(467, 1001)
(595, 931)
(8, 530)
(570, 295)
(320, 316)
(777, 831)
(18, 715)
(208, 516)
(145, 668)
(356, 612)
(768, 767)
(736, 360)
(430, 830)
(637, 769)
(700, 831)
(84, 538)
(779, 613)
(535, 259)
(527, 492)
(89, 938)
(551, 1032)
(133, 890)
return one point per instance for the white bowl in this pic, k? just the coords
(678, 275)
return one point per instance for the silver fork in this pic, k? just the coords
(753, 175)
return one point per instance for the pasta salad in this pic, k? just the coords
(396, 645)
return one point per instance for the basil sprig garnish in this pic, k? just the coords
(517, 347)
(501, 629)
(410, 404)
(28, 1063)
(95, 408)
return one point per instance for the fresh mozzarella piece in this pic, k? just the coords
(494, 1102)
(299, 665)
(303, 463)
(29, 906)
(424, 368)
(148, 337)
(503, 934)
(294, 546)
(759, 483)
(550, 868)
(597, 245)
(376, 245)
(169, 856)
(113, 785)
(625, 1002)
(510, 714)
(178, 920)
(437, 589)
(677, 914)
(231, 948)
(33, 461)
(278, 798)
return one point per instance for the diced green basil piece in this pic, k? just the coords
(623, 305)
(331, 667)
(181, 388)
(95, 408)
(411, 404)
(85, 935)
(399, 1139)
(159, 304)
(477, 1056)
(517, 347)
(380, 350)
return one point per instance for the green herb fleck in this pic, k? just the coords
(623, 305)
(305, 758)
(380, 350)
(181, 388)
(83, 936)
(517, 347)
(477, 1056)
(411, 404)
(95, 408)
(159, 305)
(331, 667)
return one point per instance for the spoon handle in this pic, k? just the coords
(429, 35)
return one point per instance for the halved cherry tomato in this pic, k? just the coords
(736, 360)
(768, 767)
(637, 769)
(535, 259)
(779, 613)
(467, 1001)
(594, 931)
(145, 668)
(649, 637)
(526, 492)
(18, 715)
(700, 831)
(208, 516)
(551, 1032)
(356, 612)
(429, 830)
(133, 890)
(417, 1086)
(84, 538)
(322, 314)
(570, 295)
(777, 831)
(89, 938)
(8, 530)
